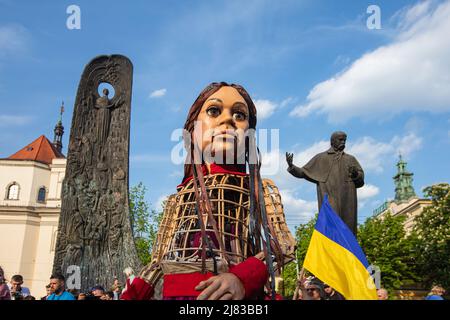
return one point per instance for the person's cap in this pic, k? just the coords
(316, 283)
(97, 288)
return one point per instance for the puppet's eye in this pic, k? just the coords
(239, 116)
(213, 111)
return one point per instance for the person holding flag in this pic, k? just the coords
(335, 257)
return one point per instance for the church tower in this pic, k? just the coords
(59, 131)
(404, 189)
(406, 202)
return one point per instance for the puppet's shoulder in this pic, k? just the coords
(277, 219)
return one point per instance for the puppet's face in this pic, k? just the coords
(224, 121)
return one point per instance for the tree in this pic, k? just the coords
(303, 234)
(387, 246)
(432, 237)
(289, 279)
(144, 222)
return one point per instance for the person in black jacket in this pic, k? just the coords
(331, 294)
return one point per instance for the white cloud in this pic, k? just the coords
(372, 154)
(274, 163)
(367, 191)
(305, 155)
(270, 162)
(410, 18)
(411, 73)
(8, 120)
(265, 108)
(274, 167)
(406, 145)
(415, 124)
(160, 202)
(365, 194)
(287, 101)
(13, 39)
(297, 210)
(158, 93)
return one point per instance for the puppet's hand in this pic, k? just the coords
(225, 286)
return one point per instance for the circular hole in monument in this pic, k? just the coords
(110, 88)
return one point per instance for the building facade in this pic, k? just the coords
(30, 204)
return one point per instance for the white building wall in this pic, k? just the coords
(18, 237)
(58, 170)
(12, 234)
(29, 245)
(41, 178)
(30, 175)
(28, 228)
(45, 252)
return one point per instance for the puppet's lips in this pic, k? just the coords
(226, 135)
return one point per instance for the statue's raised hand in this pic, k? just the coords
(289, 159)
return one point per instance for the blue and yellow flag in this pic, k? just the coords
(335, 257)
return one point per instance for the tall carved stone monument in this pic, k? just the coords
(94, 227)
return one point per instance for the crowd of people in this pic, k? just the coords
(309, 288)
(312, 288)
(55, 290)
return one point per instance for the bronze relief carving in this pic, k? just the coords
(94, 228)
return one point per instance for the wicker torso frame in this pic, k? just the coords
(178, 244)
(277, 220)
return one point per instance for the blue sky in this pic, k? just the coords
(312, 67)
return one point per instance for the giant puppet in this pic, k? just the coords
(223, 235)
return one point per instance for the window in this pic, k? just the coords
(41, 194)
(13, 192)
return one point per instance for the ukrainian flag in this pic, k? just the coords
(335, 257)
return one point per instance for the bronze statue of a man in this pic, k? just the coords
(335, 173)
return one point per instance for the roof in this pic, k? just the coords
(41, 150)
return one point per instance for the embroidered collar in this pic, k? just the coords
(215, 168)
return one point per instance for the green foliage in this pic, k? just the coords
(303, 235)
(432, 237)
(144, 222)
(289, 279)
(386, 245)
